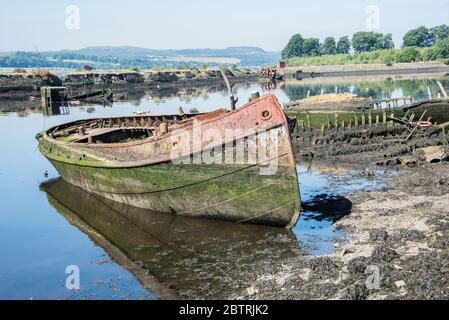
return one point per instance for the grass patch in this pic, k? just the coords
(387, 57)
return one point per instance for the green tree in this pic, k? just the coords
(439, 32)
(294, 47)
(329, 46)
(387, 42)
(441, 49)
(368, 41)
(343, 45)
(311, 47)
(419, 37)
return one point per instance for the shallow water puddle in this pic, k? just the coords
(323, 189)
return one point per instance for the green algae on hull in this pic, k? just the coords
(229, 192)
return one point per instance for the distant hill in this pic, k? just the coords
(123, 51)
(127, 51)
(113, 57)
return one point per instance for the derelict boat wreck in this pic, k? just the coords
(232, 165)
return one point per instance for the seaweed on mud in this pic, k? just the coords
(406, 235)
(324, 267)
(383, 254)
(411, 263)
(357, 291)
(378, 235)
(428, 276)
(358, 265)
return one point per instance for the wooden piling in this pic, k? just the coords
(81, 131)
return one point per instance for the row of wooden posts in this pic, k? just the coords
(366, 119)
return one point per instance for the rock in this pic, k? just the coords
(347, 251)
(252, 290)
(305, 274)
(281, 282)
(400, 284)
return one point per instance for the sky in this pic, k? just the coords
(177, 24)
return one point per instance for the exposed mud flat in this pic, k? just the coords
(399, 248)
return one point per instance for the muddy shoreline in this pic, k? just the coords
(13, 86)
(399, 234)
(30, 102)
(399, 247)
(24, 86)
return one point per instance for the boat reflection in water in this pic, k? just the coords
(175, 256)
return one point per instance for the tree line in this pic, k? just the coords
(362, 42)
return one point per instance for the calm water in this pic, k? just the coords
(46, 225)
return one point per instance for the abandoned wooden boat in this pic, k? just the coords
(173, 164)
(317, 115)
